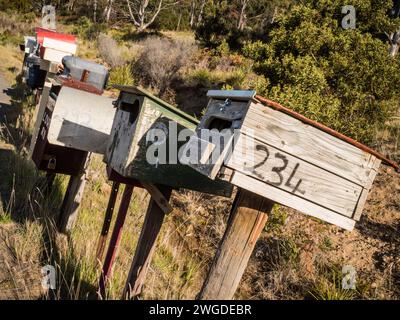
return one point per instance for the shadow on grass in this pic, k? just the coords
(390, 257)
(25, 195)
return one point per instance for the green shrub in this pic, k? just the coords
(201, 78)
(342, 78)
(121, 75)
(84, 28)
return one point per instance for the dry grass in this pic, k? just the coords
(110, 51)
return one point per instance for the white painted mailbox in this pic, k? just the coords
(283, 156)
(81, 120)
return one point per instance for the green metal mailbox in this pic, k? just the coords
(145, 140)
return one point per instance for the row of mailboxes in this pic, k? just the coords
(269, 151)
(252, 143)
(46, 45)
(76, 122)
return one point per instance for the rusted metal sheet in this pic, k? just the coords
(75, 84)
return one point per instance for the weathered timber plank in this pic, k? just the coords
(374, 163)
(280, 196)
(39, 112)
(246, 222)
(72, 200)
(101, 244)
(145, 247)
(364, 194)
(360, 205)
(300, 179)
(115, 240)
(308, 143)
(158, 197)
(122, 136)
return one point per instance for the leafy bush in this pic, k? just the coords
(20, 5)
(201, 78)
(121, 75)
(86, 29)
(343, 78)
(161, 60)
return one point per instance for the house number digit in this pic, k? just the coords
(279, 170)
(296, 188)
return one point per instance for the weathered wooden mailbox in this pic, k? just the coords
(138, 113)
(140, 117)
(283, 156)
(274, 155)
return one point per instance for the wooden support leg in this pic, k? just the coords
(72, 199)
(115, 239)
(247, 220)
(49, 182)
(71, 202)
(145, 247)
(107, 221)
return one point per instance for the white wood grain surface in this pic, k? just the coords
(309, 143)
(314, 184)
(284, 198)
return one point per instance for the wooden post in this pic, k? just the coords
(72, 200)
(145, 247)
(107, 221)
(49, 182)
(115, 239)
(247, 220)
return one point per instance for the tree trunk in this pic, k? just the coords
(179, 21)
(192, 13)
(95, 11)
(242, 17)
(394, 43)
(107, 11)
(200, 16)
